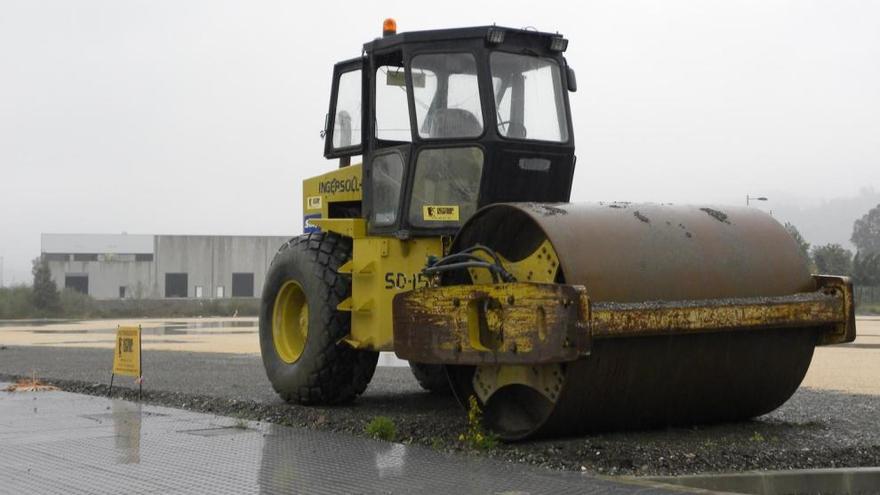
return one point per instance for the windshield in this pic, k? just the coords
(528, 97)
(446, 95)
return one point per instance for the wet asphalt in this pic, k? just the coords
(815, 429)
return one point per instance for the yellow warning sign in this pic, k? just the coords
(440, 213)
(127, 355)
(313, 203)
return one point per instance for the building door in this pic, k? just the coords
(176, 284)
(242, 285)
(79, 283)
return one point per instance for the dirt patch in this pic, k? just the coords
(31, 384)
(547, 210)
(717, 215)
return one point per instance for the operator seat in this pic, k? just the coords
(454, 123)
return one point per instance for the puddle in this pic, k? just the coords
(115, 415)
(807, 481)
(167, 328)
(221, 431)
(145, 331)
(21, 323)
(109, 341)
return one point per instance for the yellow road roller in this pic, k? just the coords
(453, 244)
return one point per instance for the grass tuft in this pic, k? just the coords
(475, 436)
(381, 428)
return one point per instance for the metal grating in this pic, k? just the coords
(57, 442)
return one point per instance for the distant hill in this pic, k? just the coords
(827, 221)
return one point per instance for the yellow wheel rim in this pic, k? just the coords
(290, 322)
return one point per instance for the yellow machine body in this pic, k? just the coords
(381, 267)
(339, 187)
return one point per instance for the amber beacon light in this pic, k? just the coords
(389, 27)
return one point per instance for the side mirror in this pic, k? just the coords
(572, 78)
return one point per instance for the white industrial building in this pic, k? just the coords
(113, 266)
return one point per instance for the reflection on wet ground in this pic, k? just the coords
(127, 431)
(238, 335)
(68, 443)
(215, 327)
(216, 334)
(807, 481)
(105, 341)
(19, 323)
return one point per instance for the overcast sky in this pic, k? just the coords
(202, 117)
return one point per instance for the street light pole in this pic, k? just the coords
(753, 198)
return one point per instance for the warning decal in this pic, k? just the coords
(440, 213)
(313, 203)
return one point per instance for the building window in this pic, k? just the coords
(242, 285)
(199, 291)
(56, 256)
(85, 257)
(79, 283)
(143, 257)
(116, 258)
(221, 292)
(121, 292)
(176, 284)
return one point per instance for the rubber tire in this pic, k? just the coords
(328, 371)
(431, 377)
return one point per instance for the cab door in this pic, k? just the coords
(386, 160)
(343, 125)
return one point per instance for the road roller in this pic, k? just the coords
(446, 236)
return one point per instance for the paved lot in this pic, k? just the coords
(814, 429)
(57, 442)
(853, 367)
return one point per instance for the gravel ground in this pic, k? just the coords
(814, 429)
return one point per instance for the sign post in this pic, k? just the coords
(127, 355)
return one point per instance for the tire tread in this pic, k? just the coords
(339, 373)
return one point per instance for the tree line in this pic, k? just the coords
(834, 259)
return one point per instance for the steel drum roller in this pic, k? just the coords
(630, 253)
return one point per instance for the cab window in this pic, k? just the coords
(446, 186)
(387, 176)
(392, 111)
(347, 121)
(447, 96)
(528, 97)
